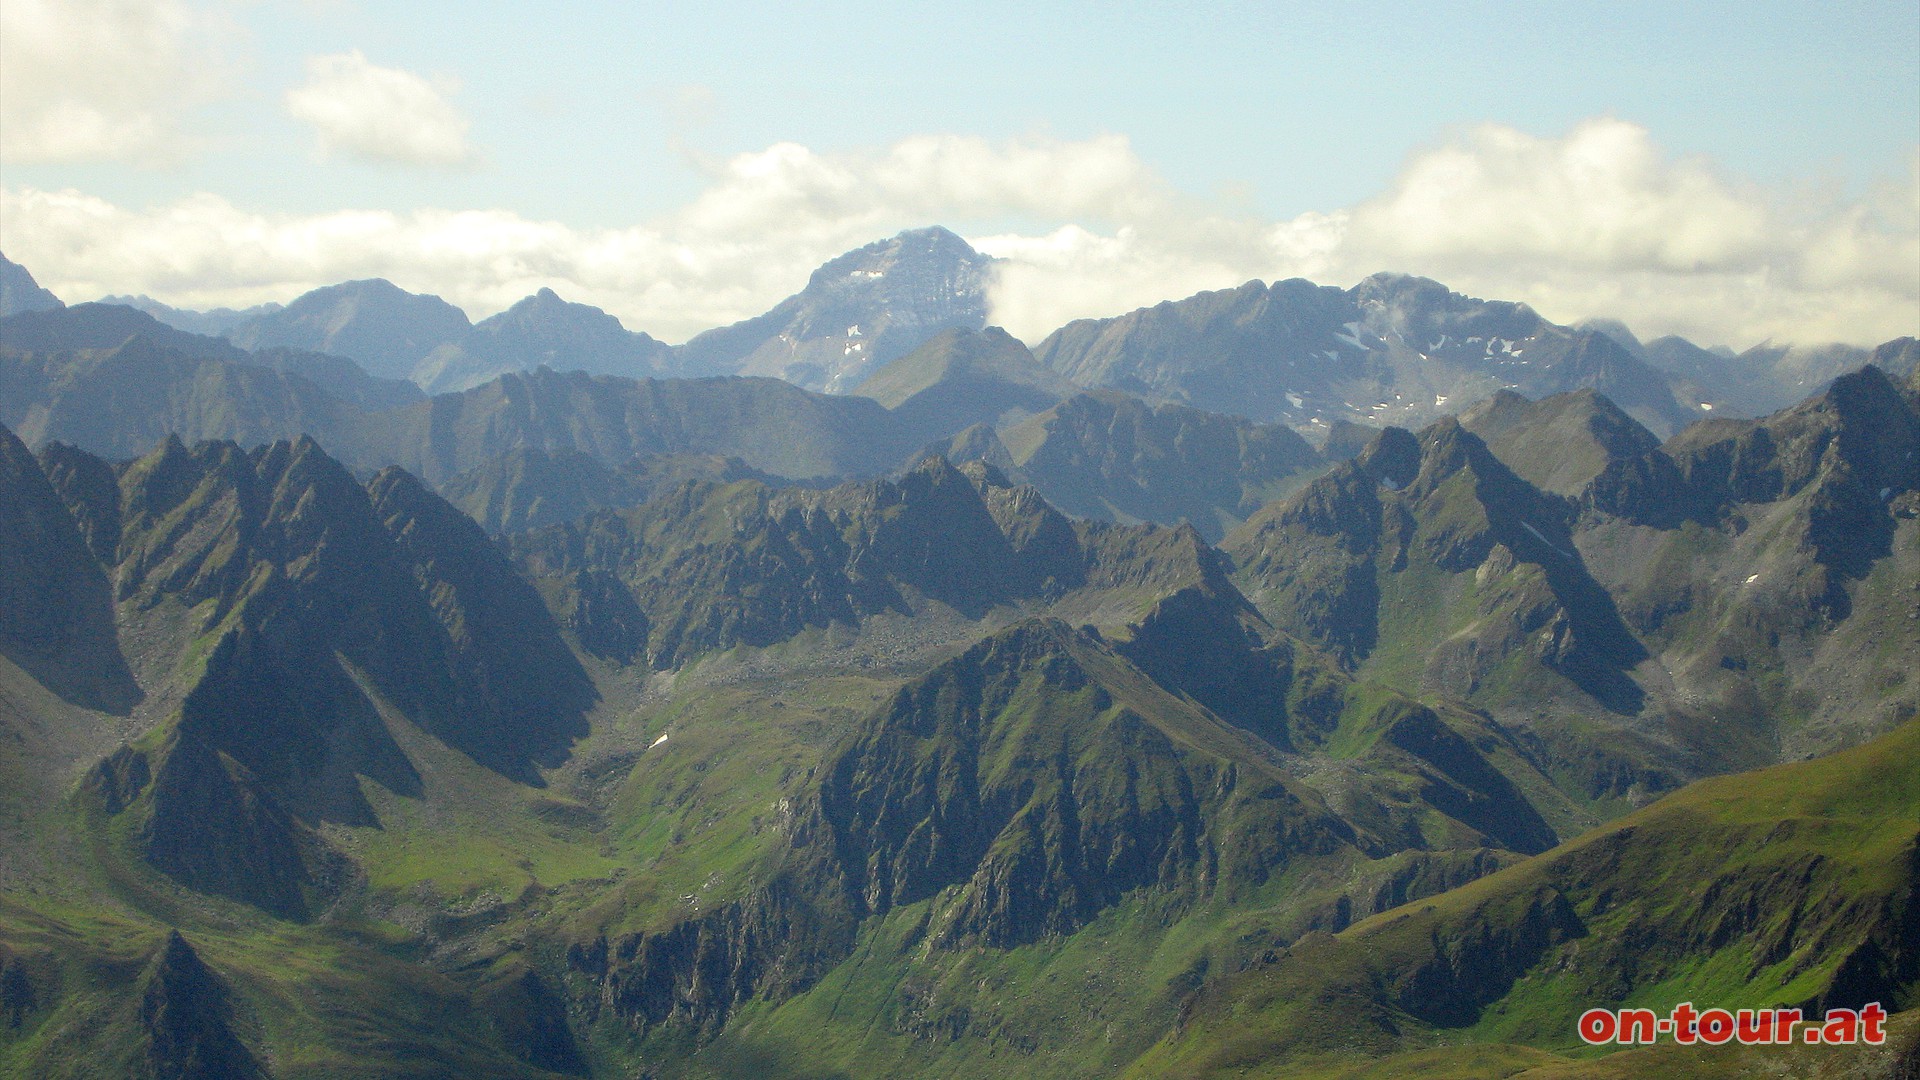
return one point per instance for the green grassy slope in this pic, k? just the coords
(1793, 885)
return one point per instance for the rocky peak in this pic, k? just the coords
(858, 312)
(374, 322)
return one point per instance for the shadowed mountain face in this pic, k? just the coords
(717, 565)
(106, 326)
(857, 313)
(1391, 350)
(120, 401)
(1732, 555)
(1385, 529)
(187, 1013)
(114, 381)
(64, 368)
(56, 608)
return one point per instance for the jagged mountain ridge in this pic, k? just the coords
(1683, 585)
(1342, 357)
(115, 381)
(307, 597)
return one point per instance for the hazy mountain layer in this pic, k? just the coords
(215, 322)
(378, 325)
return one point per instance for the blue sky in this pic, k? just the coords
(1732, 171)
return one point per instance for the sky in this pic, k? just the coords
(1730, 172)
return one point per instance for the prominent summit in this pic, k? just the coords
(375, 323)
(859, 311)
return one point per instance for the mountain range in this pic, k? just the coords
(1019, 711)
(1392, 350)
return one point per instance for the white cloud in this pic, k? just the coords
(1597, 222)
(103, 80)
(363, 111)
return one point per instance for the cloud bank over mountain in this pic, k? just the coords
(1599, 221)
